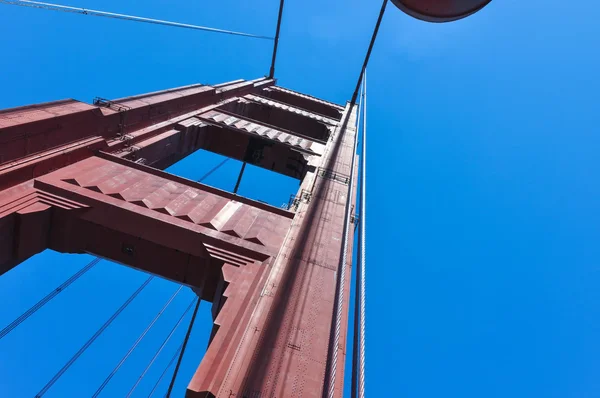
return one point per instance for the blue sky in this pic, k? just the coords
(483, 257)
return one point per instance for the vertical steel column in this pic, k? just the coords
(339, 296)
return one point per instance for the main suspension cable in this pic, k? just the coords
(276, 41)
(92, 339)
(87, 11)
(160, 348)
(137, 342)
(368, 56)
(23, 317)
(185, 341)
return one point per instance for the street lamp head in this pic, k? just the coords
(440, 10)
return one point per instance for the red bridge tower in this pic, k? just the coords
(80, 178)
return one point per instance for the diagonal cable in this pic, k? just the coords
(209, 172)
(23, 317)
(165, 371)
(369, 50)
(185, 341)
(87, 11)
(356, 334)
(92, 339)
(160, 348)
(137, 342)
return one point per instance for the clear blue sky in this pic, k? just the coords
(484, 210)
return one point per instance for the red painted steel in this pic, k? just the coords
(76, 178)
(440, 10)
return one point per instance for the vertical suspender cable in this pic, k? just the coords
(23, 317)
(136, 343)
(362, 260)
(160, 348)
(185, 341)
(360, 265)
(329, 387)
(276, 41)
(92, 339)
(329, 390)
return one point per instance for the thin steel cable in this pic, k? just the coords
(354, 381)
(160, 349)
(276, 41)
(92, 339)
(165, 371)
(185, 341)
(86, 11)
(368, 56)
(332, 357)
(209, 172)
(23, 317)
(356, 333)
(136, 343)
(362, 258)
(239, 179)
(341, 284)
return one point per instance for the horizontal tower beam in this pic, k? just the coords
(81, 178)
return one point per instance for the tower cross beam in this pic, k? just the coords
(80, 178)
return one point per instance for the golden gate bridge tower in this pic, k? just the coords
(88, 178)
